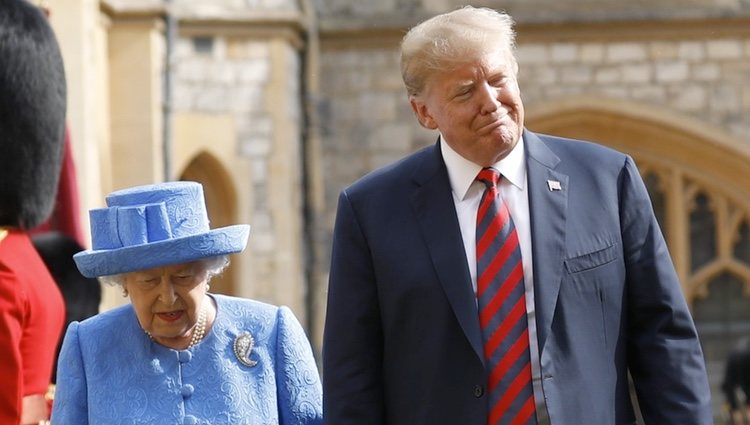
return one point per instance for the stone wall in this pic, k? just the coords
(348, 13)
(257, 83)
(702, 78)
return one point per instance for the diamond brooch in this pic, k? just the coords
(243, 346)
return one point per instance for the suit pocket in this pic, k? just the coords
(596, 280)
(592, 259)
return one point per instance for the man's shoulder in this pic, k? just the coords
(396, 173)
(578, 146)
(582, 153)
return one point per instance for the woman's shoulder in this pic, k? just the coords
(107, 320)
(246, 314)
(113, 314)
(237, 306)
(107, 332)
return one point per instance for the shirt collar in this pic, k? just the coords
(462, 172)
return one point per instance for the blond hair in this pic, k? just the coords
(446, 41)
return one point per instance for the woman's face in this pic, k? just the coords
(167, 300)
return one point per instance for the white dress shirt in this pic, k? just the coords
(467, 192)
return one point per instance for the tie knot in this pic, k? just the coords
(489, 176)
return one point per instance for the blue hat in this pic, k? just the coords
(153, 226)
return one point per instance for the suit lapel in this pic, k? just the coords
(547, 207)
(433, 205)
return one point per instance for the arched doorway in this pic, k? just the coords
(220, 204)
(699, 181)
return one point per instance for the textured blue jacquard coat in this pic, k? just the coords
(110, 372)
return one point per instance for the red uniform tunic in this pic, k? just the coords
(32, 313)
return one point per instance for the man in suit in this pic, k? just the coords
(422, 325)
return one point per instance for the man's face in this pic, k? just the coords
(476, 107)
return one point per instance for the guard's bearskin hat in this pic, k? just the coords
(32, 115)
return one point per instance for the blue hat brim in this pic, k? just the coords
(221, 241)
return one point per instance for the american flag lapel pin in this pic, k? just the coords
(553, 185)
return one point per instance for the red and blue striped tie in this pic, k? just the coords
(502, 310)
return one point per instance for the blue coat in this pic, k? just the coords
(402, 342)
(110, 372)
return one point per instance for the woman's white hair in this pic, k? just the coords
(214, 267)
(446, 41)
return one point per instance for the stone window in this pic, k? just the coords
(203, 45)
(717, 248)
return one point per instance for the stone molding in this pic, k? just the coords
(334, 36)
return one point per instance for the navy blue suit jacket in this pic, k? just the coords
(402, 343)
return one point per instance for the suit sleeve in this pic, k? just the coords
(665, 356)
(298, 382)
(70, 405)
(352, 341)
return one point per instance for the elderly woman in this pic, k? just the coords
(178, 354)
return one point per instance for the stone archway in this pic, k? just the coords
(221, 204)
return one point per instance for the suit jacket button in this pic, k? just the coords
(478, 391)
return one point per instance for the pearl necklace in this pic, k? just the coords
(200, 328)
